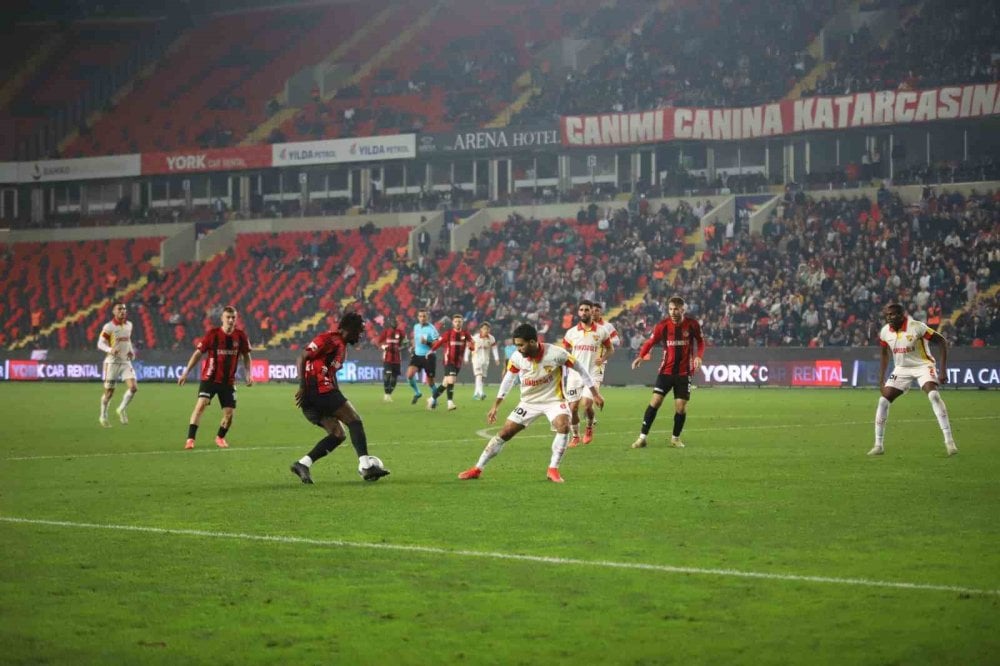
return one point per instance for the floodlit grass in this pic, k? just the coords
(421, 568)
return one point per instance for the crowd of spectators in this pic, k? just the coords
(944, 42)
(547, 266)
(731, 53)
(822, 270)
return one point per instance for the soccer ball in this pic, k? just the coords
(367, 463)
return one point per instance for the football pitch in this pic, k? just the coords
(772, 538)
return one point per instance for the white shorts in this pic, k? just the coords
(902, 378)
(480, 368)
(574, 390)
(526, 412)
(117, 371)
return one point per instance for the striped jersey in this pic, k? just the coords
(222, 354)
(681, 343)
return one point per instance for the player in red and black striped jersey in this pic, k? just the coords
(324, 405)
(222, 348)
(683, 349)
(455, 341)
(390, 341)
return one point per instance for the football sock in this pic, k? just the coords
(679, 423)
(881, 416)
(558, 448)
(306, 460)
(358, 438)
(105, 401)
(648, 418)
(479, 383)
(387, 382)
(412, 381)
(392, 383)
(192, 431)
(451, 392)
(493, 448)
(323, 447)
(941, 412)
(222, 431)
(127, 398)
(438, 391)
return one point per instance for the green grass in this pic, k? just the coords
(772, 482)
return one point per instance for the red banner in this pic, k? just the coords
(194, 160)
(789, 116)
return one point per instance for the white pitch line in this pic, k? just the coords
(562, 561)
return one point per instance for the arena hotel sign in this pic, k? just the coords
(497, 140)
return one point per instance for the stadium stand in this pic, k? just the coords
(66, 282)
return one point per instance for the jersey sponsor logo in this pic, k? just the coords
(676, 343)
(536, 382)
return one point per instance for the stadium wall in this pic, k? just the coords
(751, 367)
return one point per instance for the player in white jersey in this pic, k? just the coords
(588, 343)
(115, 341)
(482, 346)
(906, 340)
(597, 310)
(541, 369)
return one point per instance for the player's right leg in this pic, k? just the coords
(109, 391)
(518, 419)
(204, 399)
(659, 391)
(412, 375)
(889, 393)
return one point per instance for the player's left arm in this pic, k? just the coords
(699, 345)
(247, 361)
(607, 349)
(248, 368)
(937, 338)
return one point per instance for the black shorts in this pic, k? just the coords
(426, 363)
(451, 370)
(680, 384)
(226, 393)
(390, 369)
(318, 406)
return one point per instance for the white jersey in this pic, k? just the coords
(542, 376)
(483, 348)
(909, 345)
(616, 341)
(587, 344)
(116, 340)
